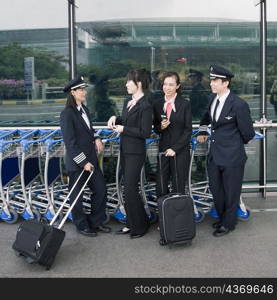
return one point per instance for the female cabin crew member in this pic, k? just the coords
(134, 125)
(172, 122)
(81, 146)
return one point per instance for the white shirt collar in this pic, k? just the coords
(223, 98)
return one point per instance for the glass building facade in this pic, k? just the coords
(107, 49)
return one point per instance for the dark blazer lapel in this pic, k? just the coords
(178, 104)
(133, 109)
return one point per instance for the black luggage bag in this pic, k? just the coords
(39, 242)
(176, 216)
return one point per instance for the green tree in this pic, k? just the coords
(47, 63)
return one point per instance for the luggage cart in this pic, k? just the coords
(52, 151)
(31, 178)
(111, 141)
(10, 171)
(200, 192)
(148, 188)
(150, 170)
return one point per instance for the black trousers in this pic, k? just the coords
(137, 219)
(225, 184)
(167, 172)
(98, 199)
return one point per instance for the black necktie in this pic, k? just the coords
(215, 109)
(82, 110)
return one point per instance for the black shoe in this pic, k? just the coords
(121, 231)
(103, 228)
(217, 225)
(87, 232)
(221, 231)
(136, 236)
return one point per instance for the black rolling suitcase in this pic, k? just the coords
(176, 216)
(38, 242)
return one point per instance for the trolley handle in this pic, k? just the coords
(50, 143)
(258, 136)
(104, 131)
(26, 143)
(116, 138)
(8, 133)
(161, 173)
(5, 144)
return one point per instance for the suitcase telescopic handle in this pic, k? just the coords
(161, 173)
(74, 202)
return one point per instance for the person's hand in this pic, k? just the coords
(118, 128)
(164, 124)
(170, 152)
(111, 122)
(99, 146)
(202, 138)
(88, 167)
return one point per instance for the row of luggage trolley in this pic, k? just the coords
(33, 183)
(198, 190)
(30, 166)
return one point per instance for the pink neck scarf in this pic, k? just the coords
(169, 105)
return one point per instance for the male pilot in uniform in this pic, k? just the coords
(231, 128)
(81, 146)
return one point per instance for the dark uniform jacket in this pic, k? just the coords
(233, 129)
(78, 138)
(137, 126)
(178, 134)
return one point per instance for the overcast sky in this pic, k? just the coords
(22, 14)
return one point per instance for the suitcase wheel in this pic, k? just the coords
(162, 242)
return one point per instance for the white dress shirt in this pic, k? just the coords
(222, 100)
(84, 115)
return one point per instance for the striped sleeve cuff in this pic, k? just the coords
(96, 136)
(79, 158)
